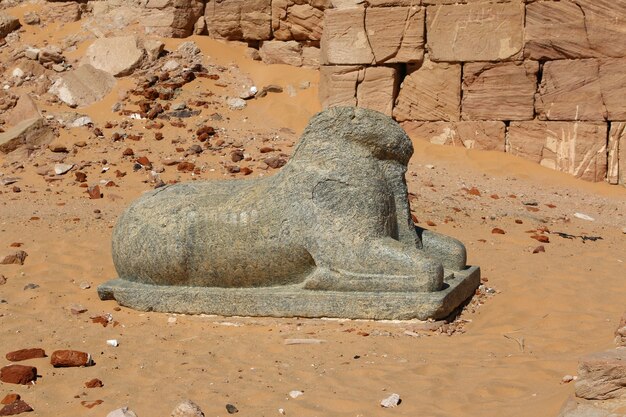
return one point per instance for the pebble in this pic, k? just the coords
(539, 249)
(498, 231)
(231, 409)
(390, 402)
(94, 192)
(94, 383)
(25, 354)
(187, 409)
(113, 342)
(30, 286)
(122, 412)
(18, 374)
(295, 393)
(3, 279)
(84, 285)
(17, 73)
(10, 398)
(15, 258)
(568, 378)
(583, 216)
(236, 103)
(70, 358)
(179, 106)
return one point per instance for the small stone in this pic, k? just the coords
(17, 258)
(30, 286)
(10, 398)
(231, 409)
(583, 216)
(567, 379)
(179, 106)
(541, 238)
(390, 402)
(31, 53)
(295, 394)
(3, 279)
(18, 374)
(186, 166)
(31, 18)
(17, 407)
(275, 162)
(80, 176)
(236, 155)
(61, 169)
(170, 65)
(94, 192)
(187, 409)
(70, 358)
(77, 309)
(94, 383)
(122, 412)
(236, 103)
(498, 231)
(539, 249)
(84, 285)
(144, 161)
(25, 354)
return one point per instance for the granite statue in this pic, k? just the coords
(330, 234)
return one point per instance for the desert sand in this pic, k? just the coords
(505, 353)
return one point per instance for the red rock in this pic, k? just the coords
(246, 171)
(128, 152)
(142, 160)
(18, 374)
(94, 383)
(266, 149)
(80, 176)
(431, 223)
(24, 354)
(158, 136)
(16, 244)
(518, 221)
(498, 231)
(539, 249)
(186, 166)
(10, 398)
(17, 258)
(70, 358)
(541, 238)
(275, 162)
(236, 155)
(3, 280)
(15, 408)
(94, 192)
(119, 174)
(474, 191)
(91, 404)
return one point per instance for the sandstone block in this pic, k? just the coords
(604, 22)
(299, 20)
(67, 12)
(30, 132)
(83, 86)
(499, 91)
(481, 135)
(475, 32)
(431, 92)
(576, 148)
(391, 3)
(18, 374)
(613, 84)
(70, 358)
(617, 157)
(396, 34)
(239, 19)
(345, 41)
(8, 24)
(118, 56)
(338, 85)
(602, 375)
(571, 90)
(310, 56)
(279, 52)
(171, 18)
(24, 354)
(24, 109)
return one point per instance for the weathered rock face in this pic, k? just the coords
(118, 56)
(480, 135)
(431, 92)
(613, 83)
(576, 148)
(8, 24)
(239, 19)
(30, 132)
(373, 35)
(83, 86)
(502, 91)
(617, 154)
(602, 375)
(279, 52)
(171, 18)
(475, 32)
(298, 20)
(179, 242)
(65, 11)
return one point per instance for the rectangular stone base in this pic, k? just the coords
(294, 301)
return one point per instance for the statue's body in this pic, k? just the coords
(335, 219)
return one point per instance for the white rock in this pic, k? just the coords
(113, 342)
(81, 121)
(122, 412)
(304, 341)
(236, 103)
(61, 169)
(118, 56)
(584, 217)
(390, 402)
(295, 393)
(31, 53)
(187, 409)
(17, 73)
(170, 65)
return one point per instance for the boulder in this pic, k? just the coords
(118, 56)
(279, 52)
(83, 86)
(576, 148)
(239, 19)
(432, 91)
(171, 18)
(298, 20)
(30, 132)
(8, 24)
(482, 135)
(25, 109)
(602, 375)
(499, 91)
(475, 32)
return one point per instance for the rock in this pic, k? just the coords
(279, 52)
(30, 286)
(231, 409)
(391, 402)
(613, 88)
(61, 169)
(17, 73)
(430, 92)
(94, 192)
(583, 216)
(298, 20)
(239, 19)
(396, 34)
(81, 121)
(10, 398)
(31, 53)
(70, 358)
(483, 135)
(498, 231)
(25, 109)
(616, 170)
(602, 375)
(17, 258)
(171, 65)
(28, 133)
(200, 28)
(50, 54)
(122, 412)
(187, 409)
(311, 56)
(94, 383)
(171, 18)
(295, 394)
(236, 103)
(18, 374)
(539, 249)
(3, 279)
(24, 354)
(153, 49)
(8, 24)
(275, 162)
(83, 86)
(576, 148)
(575, 407)
(118, 56)
(345, 41)
(15, 408)
(61, 11)
(500, 91)
(31, 18)
(455, 30)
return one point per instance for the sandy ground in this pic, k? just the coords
(505, 355)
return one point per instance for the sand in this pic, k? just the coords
(505, 355)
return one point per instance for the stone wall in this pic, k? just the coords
(545, 80)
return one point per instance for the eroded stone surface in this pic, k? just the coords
(83, 86)
(602, 375)
(298, 20)
(482, 135)
(118, 56)
(617, 154)
(239, 19)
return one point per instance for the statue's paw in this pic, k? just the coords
(448, 251)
